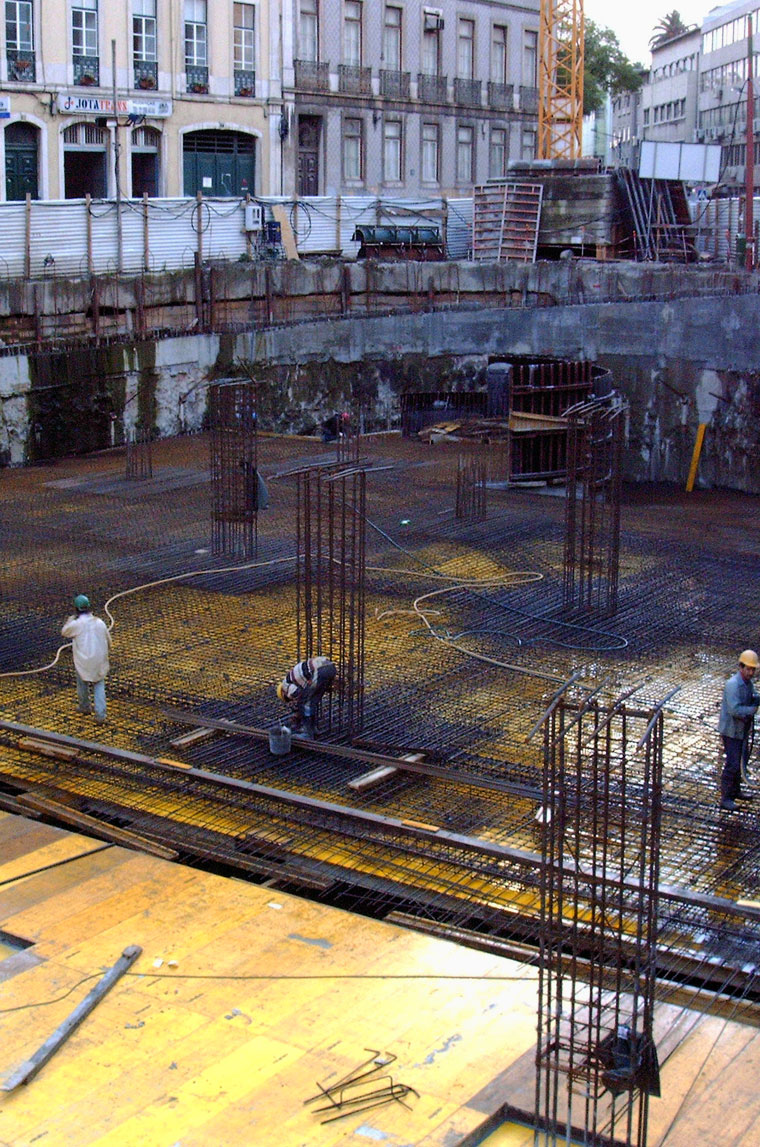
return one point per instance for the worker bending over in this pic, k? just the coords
(303, 688)
(90, 642)
(737, 711)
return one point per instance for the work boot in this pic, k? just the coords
(727, 804)
(306, 730)
(742, 796)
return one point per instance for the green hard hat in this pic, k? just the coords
(81, 601)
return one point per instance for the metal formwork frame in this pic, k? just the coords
(596, 1063)
(235, 482)
(560, 79)
(330, 585)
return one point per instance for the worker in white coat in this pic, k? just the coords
(90, 642)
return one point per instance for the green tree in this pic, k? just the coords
(607, 70)
(667, 28)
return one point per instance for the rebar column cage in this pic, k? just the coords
(348, 435)
(596, 1063)
(139, 453)
(330, 586)
(237, 489)
(592, 507)
(472, 477)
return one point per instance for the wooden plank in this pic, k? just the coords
(194, 737)
(100, 828)
(38, 745)
(380, 774)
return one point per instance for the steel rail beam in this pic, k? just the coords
(432, 833)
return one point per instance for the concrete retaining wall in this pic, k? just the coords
(679, 360)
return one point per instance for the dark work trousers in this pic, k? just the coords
(730, 781)
(311, 694)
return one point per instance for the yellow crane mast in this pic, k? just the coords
(560, 79)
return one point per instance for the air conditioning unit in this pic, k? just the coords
(254, 217)
(699, 135)
(433, 19)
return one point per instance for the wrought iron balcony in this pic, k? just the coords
(245, 82)
(467, 92)
(197, 80)
(312, 75)
(21, 66)
(394, 85)
(529, 100)
(353, 78)
(86, 71)
(501, 97)
(432, 89)
(146, 74)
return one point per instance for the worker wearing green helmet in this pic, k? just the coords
(90, 643)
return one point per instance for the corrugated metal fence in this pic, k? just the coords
(78, 237)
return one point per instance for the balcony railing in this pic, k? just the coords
(312, 75)
(467, 92)
(529, 100)
(146, 74)
(21, 66)
(501, 97)
(353, 78)
(394, 85)
(197, 80)
(432, 89)
(86, 71)
(245, 82)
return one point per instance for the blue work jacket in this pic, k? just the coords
(739, 704)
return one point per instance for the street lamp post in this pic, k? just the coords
(749, 164)
(116, 164)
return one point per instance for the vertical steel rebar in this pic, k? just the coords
(330, 585)
(595, 1060)
(237, 489)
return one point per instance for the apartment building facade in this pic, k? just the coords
(723, 88)
(196, 105)
(272, 97)
(401, 96)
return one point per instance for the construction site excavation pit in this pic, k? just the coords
(467, 643)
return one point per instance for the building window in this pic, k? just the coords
(392, 39)
(84, 28)
(465, 154)
(144, 46)
(18, 26)
(196, 43)
(499, 54)
(530, 59)
(308, 32)
(528, 145)
(352, 33)
(392, 151)
(497, 153)
(352, 150)
(466, 49)
(431, 45)
(430, 153)
(243, 37)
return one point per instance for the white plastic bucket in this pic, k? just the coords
(279, 740)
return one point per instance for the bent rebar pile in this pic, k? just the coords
(330, 585)
(602, 795)
(238, 492)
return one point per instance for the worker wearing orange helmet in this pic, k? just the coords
(737, 711)
(302, 688)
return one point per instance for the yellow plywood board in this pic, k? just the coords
(268, 995)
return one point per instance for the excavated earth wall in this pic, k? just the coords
(683, 344)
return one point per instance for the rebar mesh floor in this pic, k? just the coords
(465, 644)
